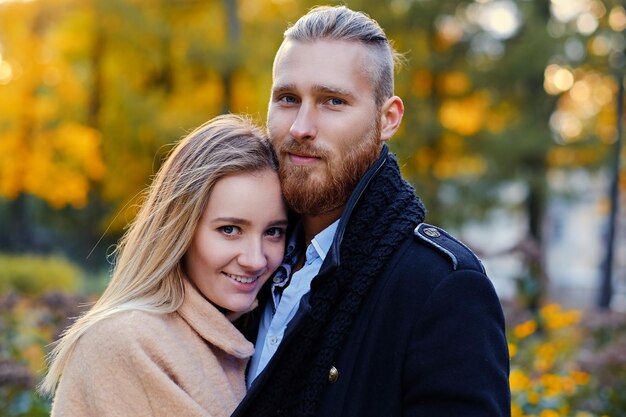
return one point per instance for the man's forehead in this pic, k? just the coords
(328, 63)
(291, 49)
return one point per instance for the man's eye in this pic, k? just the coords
(288, 99)
(336, 101)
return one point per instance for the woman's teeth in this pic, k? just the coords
(244, 280)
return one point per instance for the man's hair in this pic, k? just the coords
(342, 24)
(148, 273)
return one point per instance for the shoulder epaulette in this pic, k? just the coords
(460, 255)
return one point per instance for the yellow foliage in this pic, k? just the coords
(12, 156)
(45, 108)
(269, 9)
(564, 156)
(423, 160)
(606, 122)
(61, 162)
(204, 98)
(443, 41)
(63, 37)
(467, 115)
(450, 161)
(459, 165)
(454, 83)
(422, 84)
(500, 117)
(445, 168)
(242, 100)
(69, 88)
(45, 151)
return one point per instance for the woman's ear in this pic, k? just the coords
(391, 117)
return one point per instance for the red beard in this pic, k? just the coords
(307, 192)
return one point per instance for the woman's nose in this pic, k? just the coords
(253, 258)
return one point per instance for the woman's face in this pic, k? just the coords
(240, 239)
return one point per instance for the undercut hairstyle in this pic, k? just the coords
(148, 269)
(342, 24)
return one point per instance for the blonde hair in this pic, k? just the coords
(343, 24)
(148, 270)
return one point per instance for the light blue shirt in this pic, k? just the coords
(286, 295)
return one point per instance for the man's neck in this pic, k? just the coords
(312, 225)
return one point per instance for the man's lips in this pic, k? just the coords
(300, 159)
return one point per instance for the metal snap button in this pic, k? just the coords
(333, 375)
(432, 232)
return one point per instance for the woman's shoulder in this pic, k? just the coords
(129, 322)
(121, 332)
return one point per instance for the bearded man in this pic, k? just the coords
(373, 312)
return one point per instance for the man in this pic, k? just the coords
(373, 313)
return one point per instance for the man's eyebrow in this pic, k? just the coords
(318, 88)
(283, 87)
(332, 90)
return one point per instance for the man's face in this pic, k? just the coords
(323, 122)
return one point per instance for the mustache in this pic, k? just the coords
(292, 146)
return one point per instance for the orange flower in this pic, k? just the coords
(525, 329)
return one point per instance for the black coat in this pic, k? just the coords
(428, 342)
(400, 321)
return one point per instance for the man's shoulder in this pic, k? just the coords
(457, 254)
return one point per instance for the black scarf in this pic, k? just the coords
(384, 216)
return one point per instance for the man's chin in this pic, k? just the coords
(312, 199)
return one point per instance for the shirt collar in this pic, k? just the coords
(321, 243)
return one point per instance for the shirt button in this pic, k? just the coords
(273, 340)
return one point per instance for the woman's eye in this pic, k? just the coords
(275, 232)
(229, 230)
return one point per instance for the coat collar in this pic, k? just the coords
(211, 324)
(333, 258)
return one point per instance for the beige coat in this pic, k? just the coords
(187, 363)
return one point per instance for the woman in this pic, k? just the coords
(160, 341)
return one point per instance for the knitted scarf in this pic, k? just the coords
(385, 215)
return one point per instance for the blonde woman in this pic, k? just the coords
(160, 340)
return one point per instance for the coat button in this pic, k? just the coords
(333, 375)
(432, 232)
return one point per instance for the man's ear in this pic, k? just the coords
(391, 117)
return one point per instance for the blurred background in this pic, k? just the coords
(512, 136)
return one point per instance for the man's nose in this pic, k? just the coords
(304, 126)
